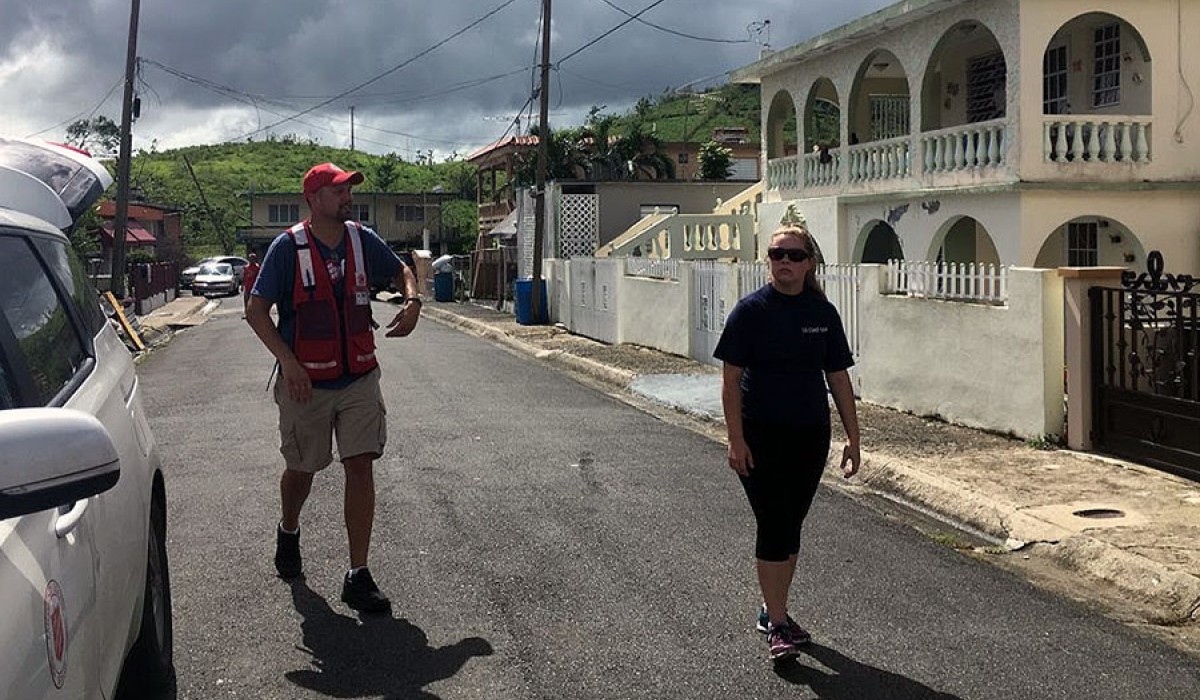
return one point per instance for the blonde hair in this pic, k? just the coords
(800, 231)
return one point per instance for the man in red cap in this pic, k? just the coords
(317, 274)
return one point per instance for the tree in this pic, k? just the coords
(716, 161)
(99, 135)
(387, 172)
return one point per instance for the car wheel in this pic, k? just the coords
(149, 671)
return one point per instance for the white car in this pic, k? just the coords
(215, 278)
(85, 595)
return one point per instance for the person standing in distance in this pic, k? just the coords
(317, 274)
(781, 346)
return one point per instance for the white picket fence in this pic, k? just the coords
(966, 282)
(655, 268)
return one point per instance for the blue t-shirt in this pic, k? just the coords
(276, 279)
(785, 344)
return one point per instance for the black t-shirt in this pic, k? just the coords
(785, 344)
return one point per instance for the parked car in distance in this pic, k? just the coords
(85, 594)
(188, 275)
(215, 278)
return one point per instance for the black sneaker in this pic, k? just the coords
(360, 593)
(287, 553)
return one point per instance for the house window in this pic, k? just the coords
(283, 213)
(1106, 80)
(1081, 244)
(986, 88)
(683, 158)
(410, 212)
(889, 116)
(360, 212)
(1054, 80)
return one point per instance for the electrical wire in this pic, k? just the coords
(631, 18)
(89, 114)
(389, 71)
(673, 31)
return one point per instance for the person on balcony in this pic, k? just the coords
(781, 346)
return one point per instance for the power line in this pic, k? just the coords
(631, 18)
(673, 31)
(389, 71)
(89, 113)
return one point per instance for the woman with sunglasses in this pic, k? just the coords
(781, 346)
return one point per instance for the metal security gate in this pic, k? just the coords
(1146, 369)
(710, 308)
(593, 297)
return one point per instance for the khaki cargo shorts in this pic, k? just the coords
(355, 414)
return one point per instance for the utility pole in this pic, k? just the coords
(226, 248)
(117, 279)
(539, 187)
(351, 127)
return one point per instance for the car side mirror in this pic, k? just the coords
(51, 457)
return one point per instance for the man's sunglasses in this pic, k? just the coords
(794, 254)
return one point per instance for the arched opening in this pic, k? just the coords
(878, 243)
(822, 116)
(1091, 241)
(781, 126)
(1097, 63)
(965, 240)
(879, 102)
(966, 80)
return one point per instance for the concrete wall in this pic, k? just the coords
(656, 313)
(998, 368)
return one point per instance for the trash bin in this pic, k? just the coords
(443, 286)
(524, 306)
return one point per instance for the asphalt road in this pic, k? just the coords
(540, 539)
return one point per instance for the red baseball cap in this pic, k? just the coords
(327, 174)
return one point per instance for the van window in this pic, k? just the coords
(45, 334)
(73, 277)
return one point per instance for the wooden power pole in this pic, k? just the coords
(537, 303)
(124, 153)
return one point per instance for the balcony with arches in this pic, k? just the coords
(934, 97)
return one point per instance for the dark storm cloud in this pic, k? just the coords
(300, 52)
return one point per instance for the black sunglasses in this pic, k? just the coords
(794, 254)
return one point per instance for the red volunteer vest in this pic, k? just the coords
(333, 336)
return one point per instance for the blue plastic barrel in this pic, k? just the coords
(524, 305)
(443, 286)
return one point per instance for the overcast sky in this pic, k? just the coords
(266, 60)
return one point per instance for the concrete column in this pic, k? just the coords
(1077, 344)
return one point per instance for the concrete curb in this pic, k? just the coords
(619, 378)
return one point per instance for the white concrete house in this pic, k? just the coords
(1036, 133)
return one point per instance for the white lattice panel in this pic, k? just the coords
(578, 225)
(526, 224)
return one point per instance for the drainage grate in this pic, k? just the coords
(1099, 513)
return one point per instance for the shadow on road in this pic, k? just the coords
(850, 679)
(377, 656)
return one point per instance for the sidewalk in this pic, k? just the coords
(1129, 533)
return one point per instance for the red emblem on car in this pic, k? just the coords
(56, 632)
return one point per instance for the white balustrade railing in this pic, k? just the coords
(822, 169)
(970, 282)
(965, 147)
(783, 173)
(1096, 139)
(652, 267)
(880, 160)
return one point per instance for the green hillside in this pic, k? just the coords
(226, 173)
(693, 116)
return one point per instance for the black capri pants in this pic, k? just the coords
(788, 462)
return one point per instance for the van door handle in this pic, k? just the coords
(67, 521)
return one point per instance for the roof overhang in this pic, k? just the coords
(883, 21)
